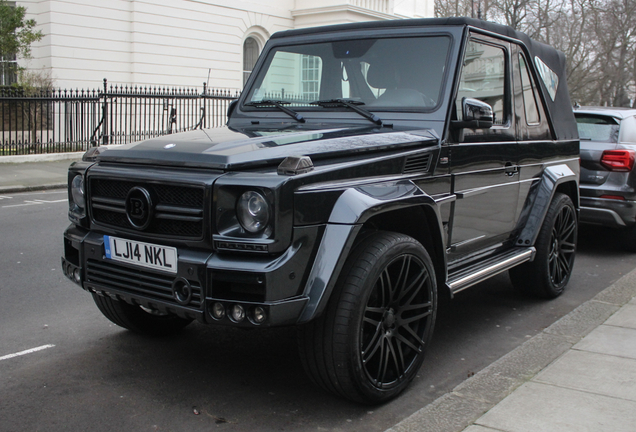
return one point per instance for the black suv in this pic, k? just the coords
(365, 170)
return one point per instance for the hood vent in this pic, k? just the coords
(417, 163)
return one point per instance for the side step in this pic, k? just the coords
(481, 271)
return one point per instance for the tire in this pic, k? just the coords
(139, 320)
(551, 269)
(628, 238)
(370, 342)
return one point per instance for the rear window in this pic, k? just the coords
(597, 128)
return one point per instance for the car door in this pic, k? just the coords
(483, 161)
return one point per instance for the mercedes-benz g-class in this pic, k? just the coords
(365, 170)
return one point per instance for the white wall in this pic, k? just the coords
(176, 42)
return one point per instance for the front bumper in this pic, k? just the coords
(274, 284)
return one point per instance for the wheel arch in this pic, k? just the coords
(396, 206)
(562, 178)
(420, 222)
(571, 189)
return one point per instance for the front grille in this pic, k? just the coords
(178, 210)
(137, 282)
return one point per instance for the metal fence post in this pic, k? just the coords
(105, 115)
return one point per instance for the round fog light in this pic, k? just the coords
(218, 310)
(76, 275)
(238, 313)
(259, 315)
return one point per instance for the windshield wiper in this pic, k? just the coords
(279, 104)
(351, 104)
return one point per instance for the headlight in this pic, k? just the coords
(253, 211)
(77, 191)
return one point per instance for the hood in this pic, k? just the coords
(229, 149)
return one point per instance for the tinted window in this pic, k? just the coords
(597, 128)
(529, 100)
(483, 78)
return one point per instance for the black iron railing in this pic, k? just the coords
(73, 120)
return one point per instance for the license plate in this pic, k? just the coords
(141, 254)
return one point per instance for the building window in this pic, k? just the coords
(250, 55)
(310, 79)
(8, 63)
(8, 70)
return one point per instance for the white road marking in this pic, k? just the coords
(25, 352)
(5, 197)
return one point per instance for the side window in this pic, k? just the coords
(531, 120)
(484, 78)
(528, 92)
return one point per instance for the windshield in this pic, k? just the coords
(597, 128)
(392, 73)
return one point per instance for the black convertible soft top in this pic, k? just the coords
(553, 79)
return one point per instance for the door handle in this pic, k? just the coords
(511, 169)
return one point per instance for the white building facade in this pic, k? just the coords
(181, 43)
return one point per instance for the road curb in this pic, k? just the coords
(467, 402)
(19, 188)
(48, 157)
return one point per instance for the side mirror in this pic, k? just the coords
(475, 115)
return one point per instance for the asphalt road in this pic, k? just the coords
(89, 375)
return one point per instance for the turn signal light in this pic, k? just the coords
(618, 160)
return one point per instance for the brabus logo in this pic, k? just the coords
(139, 208)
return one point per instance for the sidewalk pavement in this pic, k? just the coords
(35, 172)
(577, 375)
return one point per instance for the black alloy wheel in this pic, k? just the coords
(395, 321)
(563, 240)
(551, 269)
(371, 341)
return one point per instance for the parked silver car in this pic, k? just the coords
(608, 180)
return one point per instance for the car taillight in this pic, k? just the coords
(613, 197)
(618, 160)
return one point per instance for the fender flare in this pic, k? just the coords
(553, 177)
(352, 209)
